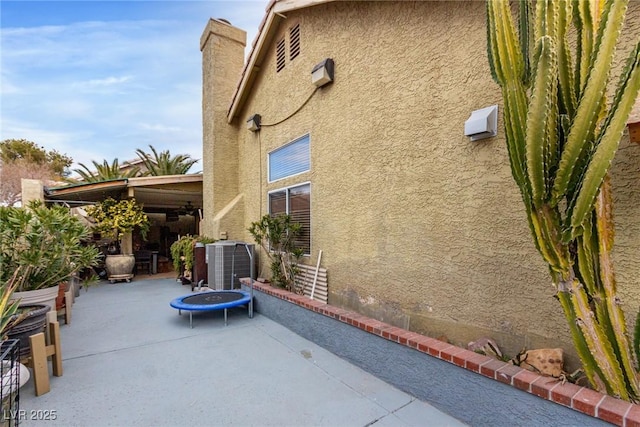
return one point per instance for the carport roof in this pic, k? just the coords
(156, 193)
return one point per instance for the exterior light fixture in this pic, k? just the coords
(322, 73)
(482, 124)
(253, 124)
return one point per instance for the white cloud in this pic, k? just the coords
(108, 81)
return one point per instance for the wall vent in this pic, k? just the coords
(280, 55)
(294, 41)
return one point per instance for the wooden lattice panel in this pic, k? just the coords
(305, 278)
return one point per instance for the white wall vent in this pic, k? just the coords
(482, 124)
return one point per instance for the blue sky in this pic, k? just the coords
(98, 79)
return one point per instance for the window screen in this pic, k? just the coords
(292, 159)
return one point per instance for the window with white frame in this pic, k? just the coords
(296, 202)
(289, 160)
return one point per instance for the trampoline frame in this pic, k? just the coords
(246, 299)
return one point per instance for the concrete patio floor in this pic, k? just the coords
(129, 359)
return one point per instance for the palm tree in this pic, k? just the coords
(164, 163)
(106, 171)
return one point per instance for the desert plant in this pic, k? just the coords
(116, 218)
(182, 251)
(48, 244)
(9, 306)
(562, 132)
(276, 234)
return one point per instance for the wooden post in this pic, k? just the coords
(39, 364)
(55, 349)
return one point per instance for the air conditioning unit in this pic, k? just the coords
(221, 258)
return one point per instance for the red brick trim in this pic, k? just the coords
(581, 399)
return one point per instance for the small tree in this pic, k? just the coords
(276, 235)
(116, 218)
(12, 150)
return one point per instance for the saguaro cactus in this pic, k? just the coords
(562, 134)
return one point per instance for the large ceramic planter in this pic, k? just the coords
(40, 296)
(120, 267)
(32, 324)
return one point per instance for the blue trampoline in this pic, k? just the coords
(212, 300)
(218, 300)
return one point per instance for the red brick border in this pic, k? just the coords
(581, 399)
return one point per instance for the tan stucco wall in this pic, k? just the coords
(419, 226)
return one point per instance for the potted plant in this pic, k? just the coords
(182, 253)
(47, 245)
(115, 220)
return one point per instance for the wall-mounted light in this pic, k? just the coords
(482, 124)
(322, 73)
(253, 124)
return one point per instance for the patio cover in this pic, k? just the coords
(158, 194)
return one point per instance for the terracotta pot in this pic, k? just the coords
(60, 297)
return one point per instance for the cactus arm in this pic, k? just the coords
(587, 112)
(604, 215)
(609, 137)
(537, 138)
(585, 41)
(589, 364)
(526, 39)
(494, 63)
(502, 45)
(545, 226)
(587, 259)
(598, 344)
(565, 69)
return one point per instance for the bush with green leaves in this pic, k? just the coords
(277, 234)
(182, 250)
(48, 245)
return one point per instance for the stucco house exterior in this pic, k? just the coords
(419, 226)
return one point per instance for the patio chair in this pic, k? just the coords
(143, 261)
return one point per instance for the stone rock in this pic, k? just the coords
(545, 361)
